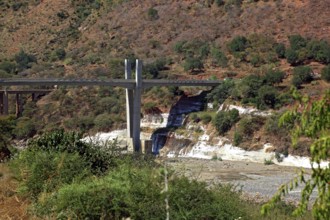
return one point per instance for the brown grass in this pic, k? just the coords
(12, 205)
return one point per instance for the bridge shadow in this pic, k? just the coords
(178, 111)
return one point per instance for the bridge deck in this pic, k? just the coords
(29, 91)
(125, 83)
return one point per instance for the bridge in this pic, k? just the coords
(19, 109)
(133, 88)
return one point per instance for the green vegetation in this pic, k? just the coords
(312, 121)
(153, 14)
(58, 178)
(224, 120)
(325, 73)
(301, 75)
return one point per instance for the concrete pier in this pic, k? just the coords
(129, 107)
(137, 106)
(5, 110)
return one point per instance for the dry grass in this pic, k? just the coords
(12, 205)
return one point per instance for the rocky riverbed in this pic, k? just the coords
(258, 181)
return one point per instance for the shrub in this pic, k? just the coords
(153, 14)
(24, 60)
(46, 171)
(267, 95)
(223, 121)
(319, 51)
(268, 162)
(301, 74)
(8, 67)
(206, 118)
(179, 46)
(248, 125)
(221, 92)
(237, 138)
(219, 58)
(325, 73)
(292, 56)
(100, 158)
(103, 122)
(219, 2)
(135, 191)
(238, 44)
(25, 128)
(297, 42)
(280, 50)
(274, 77)
(193, 64)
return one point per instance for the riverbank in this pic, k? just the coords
(257, 181)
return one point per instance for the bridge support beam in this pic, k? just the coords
(18, 106)
(1, 103)
(5, 103)
(129, 107)
(137, 107)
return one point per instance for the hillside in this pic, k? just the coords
(175, 39)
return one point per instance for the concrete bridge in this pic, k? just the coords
(133, 88)
(4, 96)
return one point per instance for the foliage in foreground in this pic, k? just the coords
(313, 121)
(57, 172)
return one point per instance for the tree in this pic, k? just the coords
(274, 77)
(24, 60)
(238, 44)
(280, 50)
(297, 42)
(325, 73)
(153, 14)
(223, 121)
(292, 56)
(193, 64)
(301, 74)
(313, 122)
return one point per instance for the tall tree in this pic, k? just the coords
(312, 120)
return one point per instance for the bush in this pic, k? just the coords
(237, 138)
(131, 191)
(46, 171)
(219, 2)
(193, 64)
(325, 73)
(274, 77)
(301, 74)
(153, 14)
(319, 51)
(238, 44)
(249, 124)
(206, 118)
(220, 93)
(223, 121)
(100, 158)
(8, 67)
(297, 42)
(103, 122)
(280, 50)
(219, 58)
(292, 56)
(267, 96)
(25, 128)
(24, 60)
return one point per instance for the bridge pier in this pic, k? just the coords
(4, 103)
(129, 107)
(19, 109)
(137, 107)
